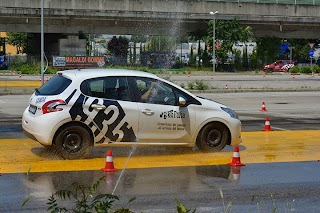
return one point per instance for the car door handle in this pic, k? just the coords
(147, 112)
(98, 106)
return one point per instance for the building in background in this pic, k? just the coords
(7, 49)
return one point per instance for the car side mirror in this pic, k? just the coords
(182, 102)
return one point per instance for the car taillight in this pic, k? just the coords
(51, 106)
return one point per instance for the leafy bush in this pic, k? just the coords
(190, 85)
(200, 85)
(305, 69)
(315, 69)
(84, 199)
(28, 69)
(294, 69)
(33, 69)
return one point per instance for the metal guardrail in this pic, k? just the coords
(308, 2)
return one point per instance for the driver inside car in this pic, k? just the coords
(146, 96)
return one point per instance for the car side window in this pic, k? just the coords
(115, 87)
(153, 91)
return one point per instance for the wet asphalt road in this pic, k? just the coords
(272, 187)
(278, 187)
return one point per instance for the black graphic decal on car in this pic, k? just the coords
(95, 120)
(172, 114)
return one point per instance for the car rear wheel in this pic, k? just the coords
(72, 142)
(213, 137)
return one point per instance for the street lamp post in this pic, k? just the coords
(213, 40)
(42, 44)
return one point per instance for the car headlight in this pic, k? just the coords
(232, 113)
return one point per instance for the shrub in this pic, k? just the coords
(51, 70)
(191, 85)
(28, 69)
(294, 69)
(200, 85)
(305, 69)
(84, 199)
(315, 69)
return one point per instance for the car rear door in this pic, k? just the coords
(106, 107)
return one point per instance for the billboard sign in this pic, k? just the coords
(78, 61)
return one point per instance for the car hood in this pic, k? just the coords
(211, 104)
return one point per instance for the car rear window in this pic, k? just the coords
(56, 85)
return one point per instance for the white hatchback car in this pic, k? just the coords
(77, 109)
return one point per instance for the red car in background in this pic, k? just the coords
(279, 66)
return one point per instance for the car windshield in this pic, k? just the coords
(54, 86)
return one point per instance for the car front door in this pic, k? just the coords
(161, 119)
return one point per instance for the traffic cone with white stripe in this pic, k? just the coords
(263, 108)
(267, 126)
(236, 158)
(109, 167)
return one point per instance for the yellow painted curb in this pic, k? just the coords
(22, 84)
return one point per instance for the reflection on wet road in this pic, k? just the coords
(253, 188)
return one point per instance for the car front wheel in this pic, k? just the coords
(213, 137)
(72, 142)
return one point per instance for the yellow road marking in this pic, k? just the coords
(25, 84)
(17, 155)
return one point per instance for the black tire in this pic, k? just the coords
(72, 142)
(213, 137)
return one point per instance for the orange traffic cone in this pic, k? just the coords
(267, 126)
(236, 158)
(263, 108)
(109, 167)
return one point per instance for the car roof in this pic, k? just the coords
(94, 73)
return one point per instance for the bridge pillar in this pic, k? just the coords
(54, 44)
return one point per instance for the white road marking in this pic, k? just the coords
(272, 127)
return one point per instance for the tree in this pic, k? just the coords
(19, 40)
(228, 32)
(198, 35)
(139, 38)
(205, 57)
(134, 53)
(192, 59)
(119, 48)
(300, 48)
(162, 44)
(267, 49)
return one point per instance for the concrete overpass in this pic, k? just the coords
(157, 17)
